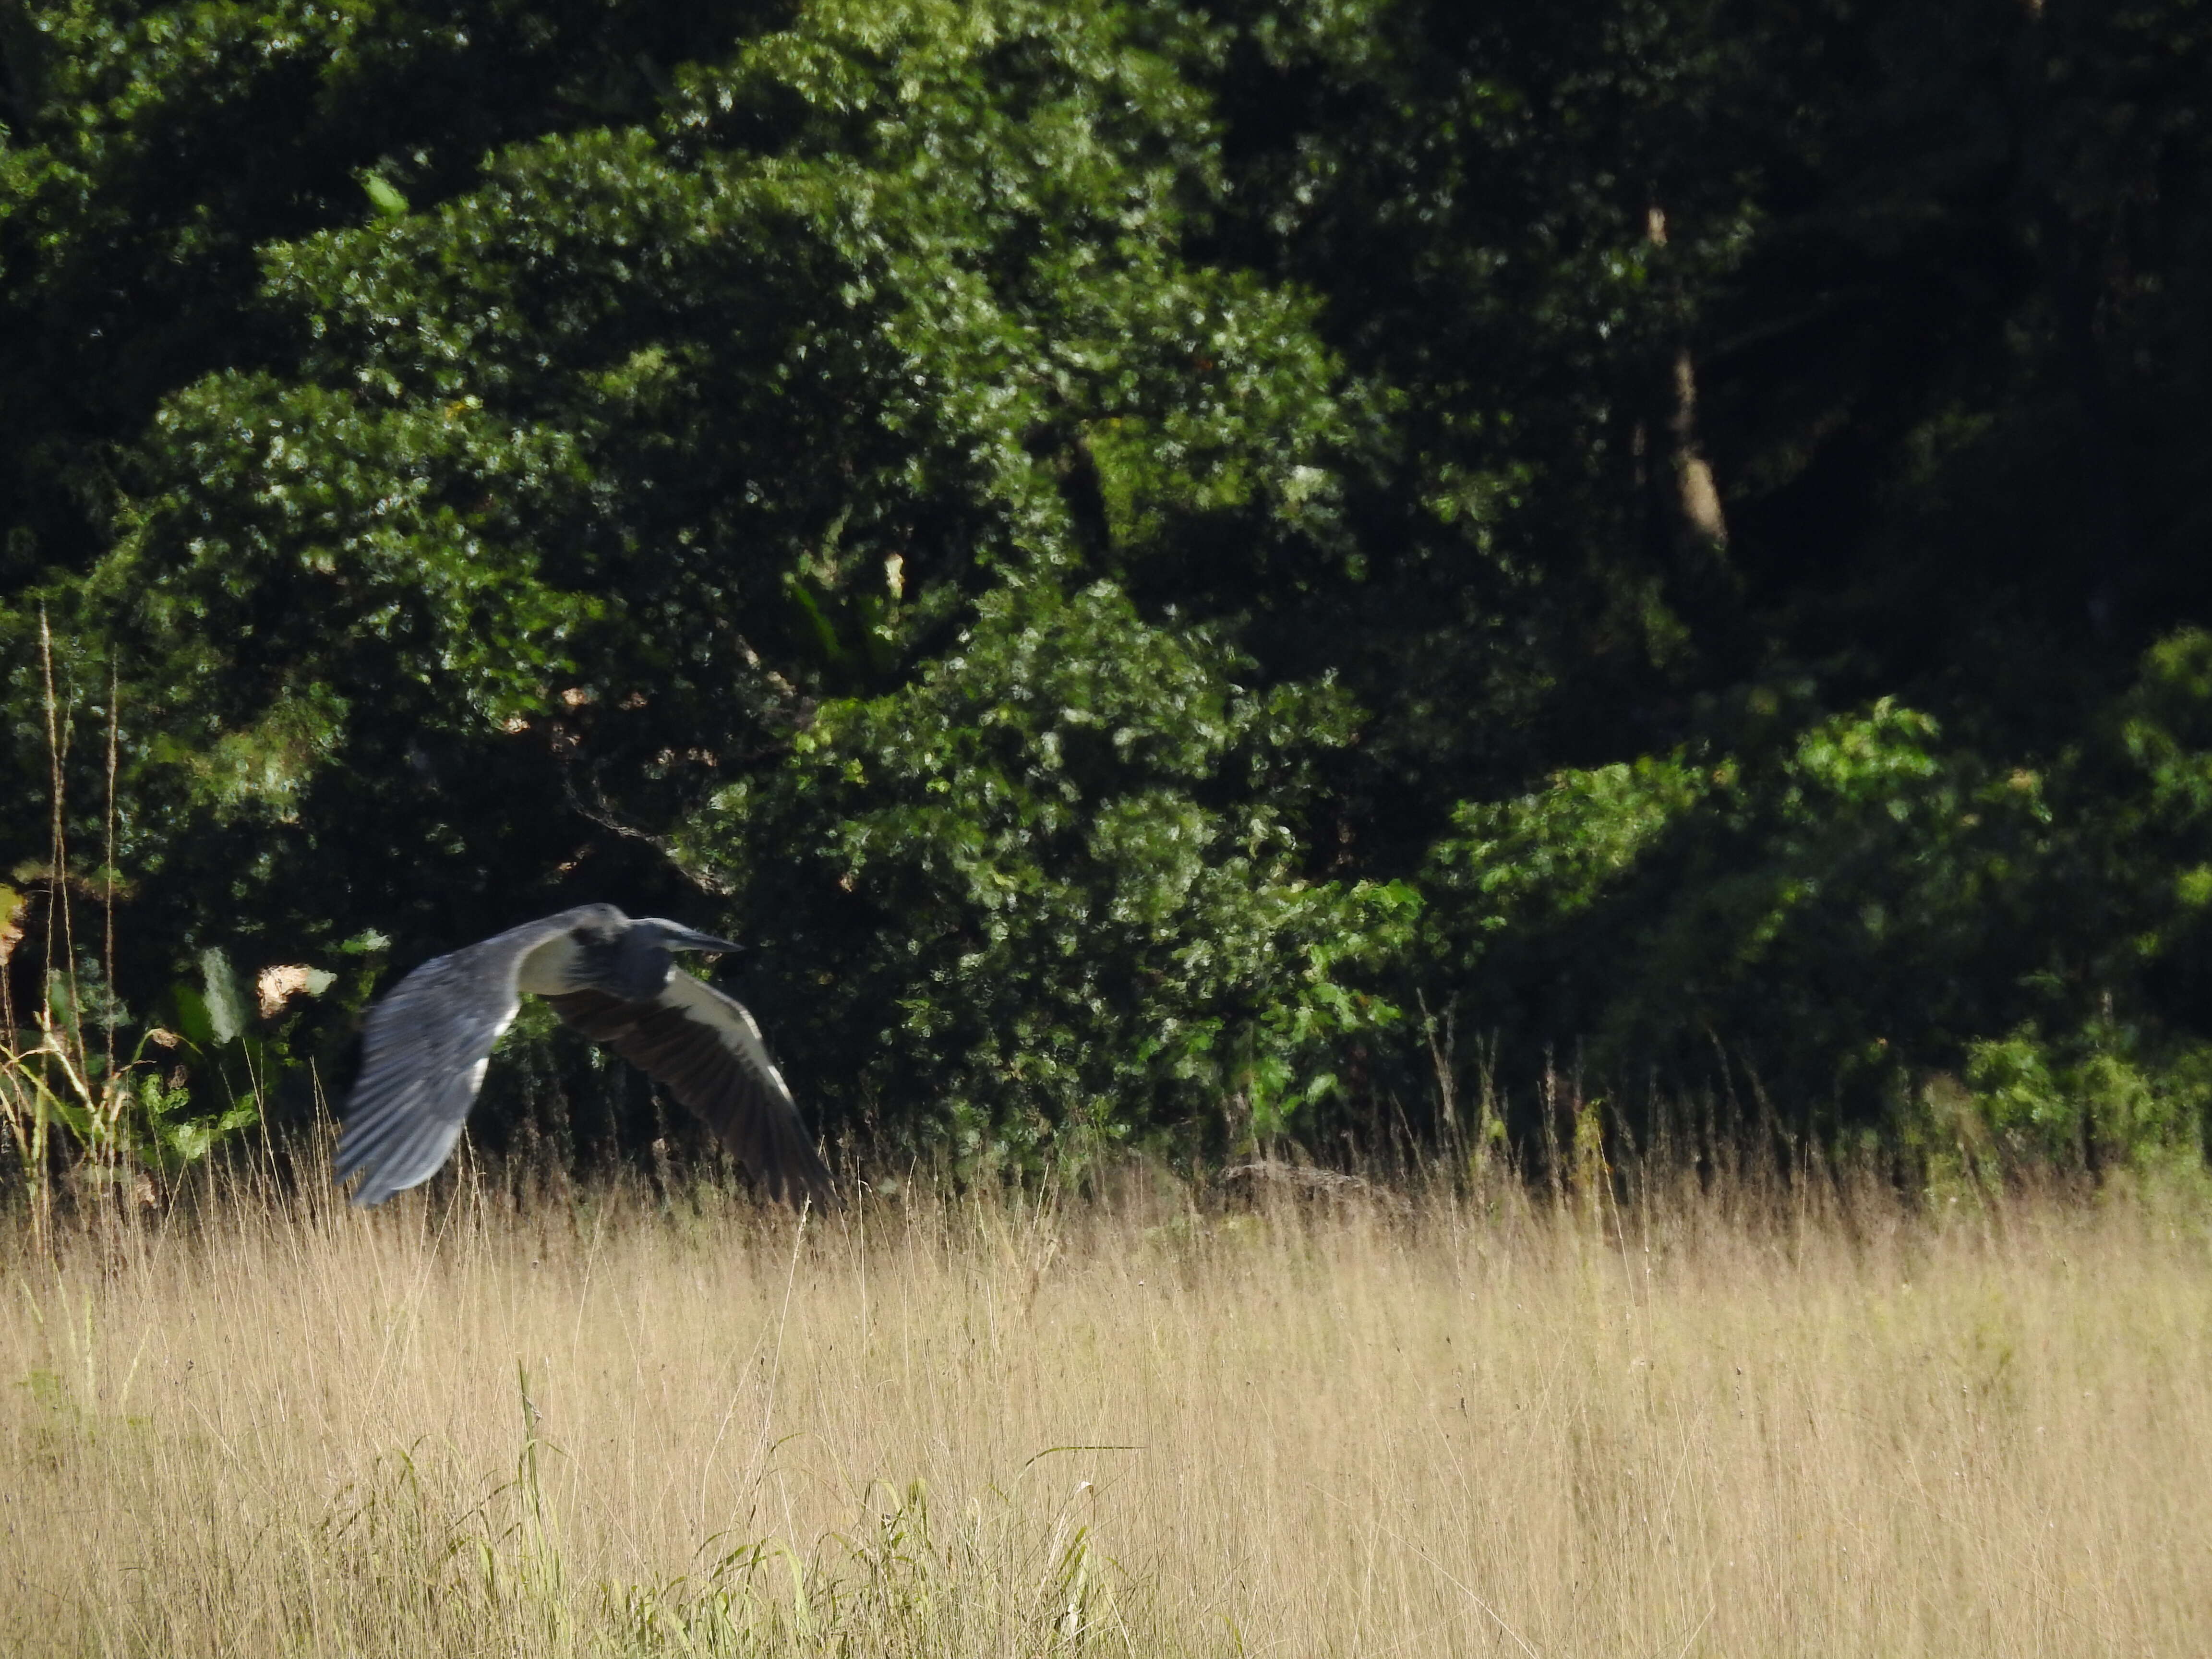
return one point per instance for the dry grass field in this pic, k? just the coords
(1127, 1426)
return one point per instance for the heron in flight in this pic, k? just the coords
(611, 977)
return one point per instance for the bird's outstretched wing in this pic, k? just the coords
(705, 1047)
(424, 1053)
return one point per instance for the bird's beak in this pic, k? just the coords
(685, 938)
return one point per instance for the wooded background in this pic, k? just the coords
(1184, 573)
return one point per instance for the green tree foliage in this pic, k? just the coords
(1131, 542)
(584, 483)
(1823, 778)
(1054, 883)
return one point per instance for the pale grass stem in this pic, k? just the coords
(61, 1079)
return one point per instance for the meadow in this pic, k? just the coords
(1142, 1421)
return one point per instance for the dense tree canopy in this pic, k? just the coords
(1153, 556)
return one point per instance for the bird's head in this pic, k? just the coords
(642, 962)
(674, 936)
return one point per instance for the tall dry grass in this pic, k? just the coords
(943, 1426)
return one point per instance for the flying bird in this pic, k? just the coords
(611, 977)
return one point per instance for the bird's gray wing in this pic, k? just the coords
(423, 1053)
(705, 1047)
